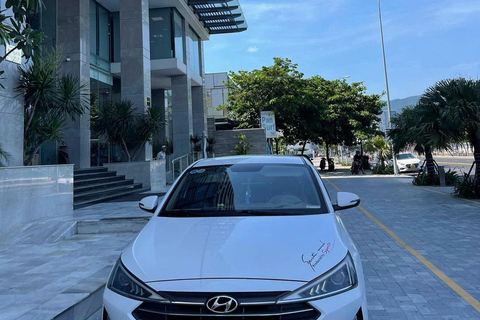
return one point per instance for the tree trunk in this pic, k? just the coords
(326, 148)
(125, 150)
(138, 150)
(476, 155)
(303, 146)
(28, 161)
(276, 146)
(429, 163)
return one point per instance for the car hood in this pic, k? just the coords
(256, 247)
(408, 161)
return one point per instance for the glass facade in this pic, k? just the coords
(103, 32)
(161, 44)
(167, 34)
(179, 35)
(193, 41)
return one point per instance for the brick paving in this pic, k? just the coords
(443, 229)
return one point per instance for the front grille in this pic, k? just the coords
(254, 305)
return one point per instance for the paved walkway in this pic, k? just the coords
(43, 272)
(432, 227)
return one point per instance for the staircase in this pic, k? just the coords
(95, 185)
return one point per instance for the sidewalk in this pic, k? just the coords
(47, 274)
(57, 269)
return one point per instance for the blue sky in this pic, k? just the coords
(425, 41)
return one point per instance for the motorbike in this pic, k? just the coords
(331, 165)
(323, 164)
(355, 168)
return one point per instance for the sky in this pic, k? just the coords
(425, 41)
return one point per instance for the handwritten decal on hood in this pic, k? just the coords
(315, 257)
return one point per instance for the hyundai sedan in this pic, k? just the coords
(244, 237)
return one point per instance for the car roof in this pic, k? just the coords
(229, 160)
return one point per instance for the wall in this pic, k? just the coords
(33, 193)
(226, 140)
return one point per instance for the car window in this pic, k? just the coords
(243, 189)
(406, 156)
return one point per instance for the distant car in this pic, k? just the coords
(245, 237)
(407, 162)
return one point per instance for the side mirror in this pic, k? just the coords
(149, 204)
(346, 200)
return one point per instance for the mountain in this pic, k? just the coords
(397, 105)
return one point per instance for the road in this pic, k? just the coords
(459, 164)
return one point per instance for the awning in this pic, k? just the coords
(219, 16)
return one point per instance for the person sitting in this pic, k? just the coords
(357, 161)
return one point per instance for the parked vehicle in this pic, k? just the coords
(407, 162)
(331, 165)
(241, 238)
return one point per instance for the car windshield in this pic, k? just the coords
(406, 156)
(246, 189)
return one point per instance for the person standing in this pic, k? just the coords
(162, 153)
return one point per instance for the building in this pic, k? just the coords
(147, 51)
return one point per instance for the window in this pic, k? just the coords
(246, 188)
(194, 50)
(161, 45)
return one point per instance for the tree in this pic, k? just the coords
(279, 88)
(349, 115)
(380, 145)
(314, 109)
(17, 32)
(458, 103)
(49, 99)
(122, 126)
(4, 157)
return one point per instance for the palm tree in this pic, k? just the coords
(458, 102)
(4, 157)
(122, 126)
(380, 145)
(423, 126)
(49, 99)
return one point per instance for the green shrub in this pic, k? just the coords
(465, 188)
(423, 179)
(383, 169)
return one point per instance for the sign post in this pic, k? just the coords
(268, 123)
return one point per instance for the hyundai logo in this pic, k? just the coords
(222, 304)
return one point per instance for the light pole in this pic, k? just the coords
(389, 115)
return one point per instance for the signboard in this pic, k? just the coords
(268, 123)
(15, 56)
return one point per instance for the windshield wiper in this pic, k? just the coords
(184, 213)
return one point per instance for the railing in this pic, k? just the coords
(181, 163)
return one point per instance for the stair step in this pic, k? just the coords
(101, 186)
(88, 202)
(90, 170)
(108, 191)
(94, 175)
(96, 181)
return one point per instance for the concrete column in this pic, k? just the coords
(135, 57)
(74, 42)
(198, 110)
(182, 118)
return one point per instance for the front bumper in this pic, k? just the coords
(338, 307)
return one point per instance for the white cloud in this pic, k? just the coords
(252, 49)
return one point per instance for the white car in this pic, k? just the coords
(245, 237)
(407, 162)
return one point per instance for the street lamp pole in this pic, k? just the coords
(389, 112)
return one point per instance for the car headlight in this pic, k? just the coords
(124, 283)
(341, 278)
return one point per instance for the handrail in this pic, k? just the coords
(183, 162)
